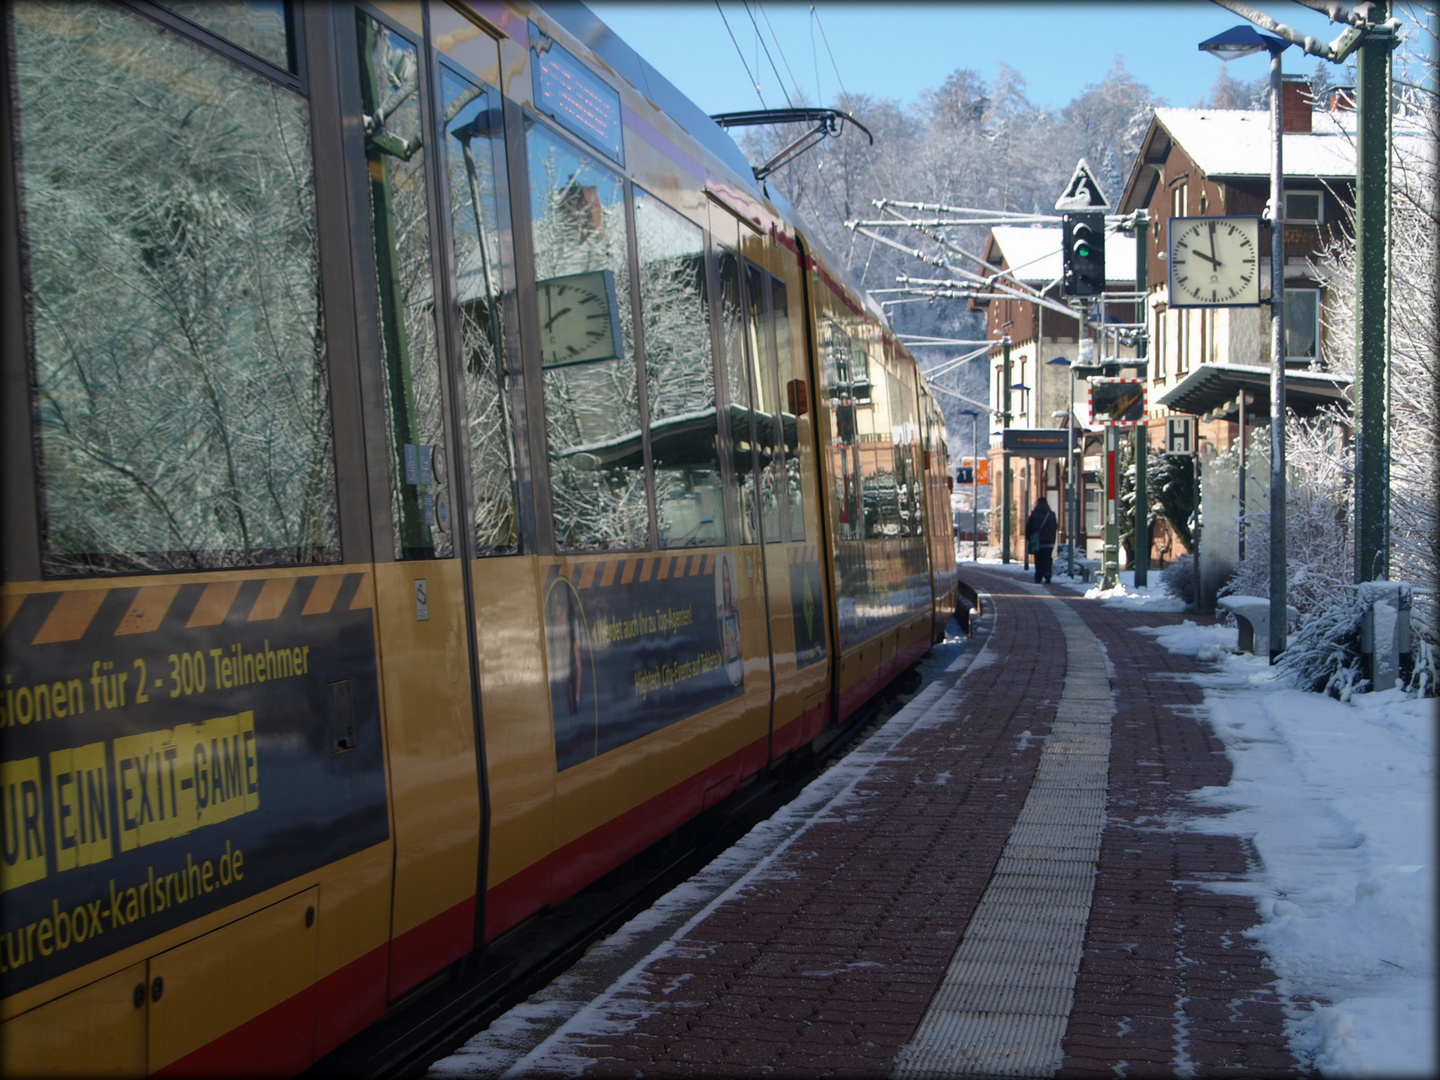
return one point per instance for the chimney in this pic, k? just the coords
(1295, 106)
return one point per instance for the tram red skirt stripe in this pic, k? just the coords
(349, 1000)
(422, 951)
(803, 729)
(599, 851)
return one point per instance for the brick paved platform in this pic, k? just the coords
(824, 956)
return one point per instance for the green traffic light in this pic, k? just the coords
(1082, 249)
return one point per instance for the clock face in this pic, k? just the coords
(579, 323)
(1215, 262)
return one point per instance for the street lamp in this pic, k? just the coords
(1070, 515)
(974, 482)
(1236, 42)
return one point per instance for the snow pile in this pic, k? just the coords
(1338, 799)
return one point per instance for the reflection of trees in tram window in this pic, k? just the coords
(394, 146)
(793, 424)
(768, 437)
(473, 152)
(179, 368)
(733, 333)
(577, 213)
(680, 376)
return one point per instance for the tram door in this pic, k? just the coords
(772, 458)
(441, 455)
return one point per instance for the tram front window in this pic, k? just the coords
(179, 367)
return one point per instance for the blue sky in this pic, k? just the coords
(898, 50)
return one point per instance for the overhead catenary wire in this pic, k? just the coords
(828, 50)
(740, 53)
(760, 40)
(780, 49)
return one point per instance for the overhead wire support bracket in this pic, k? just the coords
(826, 121)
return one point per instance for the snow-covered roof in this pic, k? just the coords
(1033, 254)
(1234, 142)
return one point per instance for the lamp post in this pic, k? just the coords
(1241, 41)
(974, 483)
(1061, 361)
(1004, 453)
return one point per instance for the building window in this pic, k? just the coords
(1302, 325)
(1304, 207)
(1180, 200)
(1094, 505)
(1162, 362)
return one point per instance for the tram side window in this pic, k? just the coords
(396, 152)
(475, 138)
(844, 444)
(679, 375)
(737, 392)
(791, 425)
(257, 26)
(879, 455)
(179, 366)
(592, 404)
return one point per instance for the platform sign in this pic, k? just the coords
(965, 474)
(1037, 442)
(1179, 434)
(1117, 402)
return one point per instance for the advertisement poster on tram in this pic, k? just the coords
(171, 749)
(636, 644)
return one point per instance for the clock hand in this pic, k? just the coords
(1208, 258)
(1213, 261)
(550, 323)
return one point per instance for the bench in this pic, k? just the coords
(1252, 617)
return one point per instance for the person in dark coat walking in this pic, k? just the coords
(1040, 530)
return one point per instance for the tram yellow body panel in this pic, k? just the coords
(97, 1030)
(430, 730)
(515, 707)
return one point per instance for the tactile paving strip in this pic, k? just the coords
(1004, 1003)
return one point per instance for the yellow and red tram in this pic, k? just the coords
(435, 470)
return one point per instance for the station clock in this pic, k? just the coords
(1214, 262)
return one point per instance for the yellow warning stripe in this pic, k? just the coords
(70, 617)
(75, 610)
(364, 595)
(322, 595)
(148, 609)
(9, 605)
(604, 573)
(271, 601)
(214, 604)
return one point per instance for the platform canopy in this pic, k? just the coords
(1212, 391)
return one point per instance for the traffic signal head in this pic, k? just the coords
(1084, 254)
